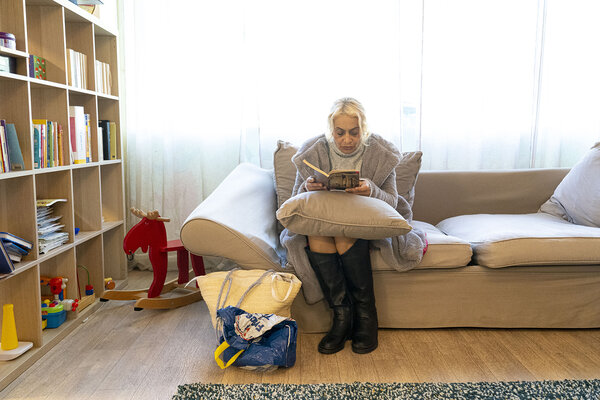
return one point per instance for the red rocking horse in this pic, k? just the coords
(150, 235)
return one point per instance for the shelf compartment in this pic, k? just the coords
(12, 20)
(86, 199)
(115, 265)
(62, 265)
(46, 38)
(108, 109)
(88, 102)
(58, 185)
(17, 211)
(15, 99)
(17, 290)
(106, 52)
(80, 37)
(21, 59)
(89, 254)
(112, 192)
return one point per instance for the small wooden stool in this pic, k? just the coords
(150, 234)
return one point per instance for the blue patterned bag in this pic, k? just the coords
(255, 341)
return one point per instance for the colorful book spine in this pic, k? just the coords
(61, 160)
(4, 145)
(80, 134)
(43, 142)
(36, 146)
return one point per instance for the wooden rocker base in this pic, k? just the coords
(158, 303)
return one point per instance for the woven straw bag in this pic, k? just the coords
(266, 292)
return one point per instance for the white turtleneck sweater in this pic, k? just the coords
(339, 160)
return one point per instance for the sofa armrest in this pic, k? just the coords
(237, 221)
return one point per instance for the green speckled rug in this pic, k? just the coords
(567, 389)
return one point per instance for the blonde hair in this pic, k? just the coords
(352, 108)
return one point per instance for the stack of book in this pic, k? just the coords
(80, 128)
(108, 130)
(103, 81)
(76, 69)
(50, 234)
(12, 250)
(11, 157)
(47, 144)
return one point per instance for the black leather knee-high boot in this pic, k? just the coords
(356, 264)
(331, 278)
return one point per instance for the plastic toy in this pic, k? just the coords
(57, 286)
(150, 235)
(53, 313)
(109, 283)
(10, 346)
(89, 289)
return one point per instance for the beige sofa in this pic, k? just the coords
(499, 263)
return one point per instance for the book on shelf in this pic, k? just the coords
(6, 264)
(109, 139)
(4, 147)
(78, 134)
(15, 252)
(76, 69)
(37, 67)
(49, 228)
(8, 237)
(46, 143)
(103, 80)
(14, 148)
(336, 179)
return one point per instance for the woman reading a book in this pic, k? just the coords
(342, 265)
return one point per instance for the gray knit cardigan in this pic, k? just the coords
(379, 167)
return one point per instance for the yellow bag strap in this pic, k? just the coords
(220, 350)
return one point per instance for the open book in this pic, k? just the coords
(336, 179)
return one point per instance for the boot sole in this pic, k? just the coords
(334, 350)
(363, 350)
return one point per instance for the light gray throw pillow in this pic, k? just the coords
(577, 197)
(332, 213)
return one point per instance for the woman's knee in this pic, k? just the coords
(322, 244)
(343, 244)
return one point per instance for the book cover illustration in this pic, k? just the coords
(336, 179)
(37, 67)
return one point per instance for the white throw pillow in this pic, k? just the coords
(332, 213)
(577, 197)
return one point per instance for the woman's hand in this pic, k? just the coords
(312, 184)
(363, 188)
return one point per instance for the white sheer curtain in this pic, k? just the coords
(474, 84)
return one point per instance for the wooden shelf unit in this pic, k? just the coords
(94, 191)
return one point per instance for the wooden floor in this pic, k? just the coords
(119, 353)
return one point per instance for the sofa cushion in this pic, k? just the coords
(285, 172)
(577, 197)
(333, 213)
(501, 240)
(444, 251)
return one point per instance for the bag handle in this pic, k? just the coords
(229, 279)
(284, 279)
(220, 350)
